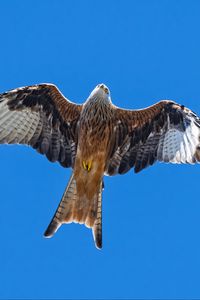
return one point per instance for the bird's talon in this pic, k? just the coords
(87, 165)
(84, 165)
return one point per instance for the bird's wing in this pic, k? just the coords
(40, 116)
(166, 132)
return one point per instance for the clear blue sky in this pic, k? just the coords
(144, 51)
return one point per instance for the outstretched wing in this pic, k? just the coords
(166, 132)
(41, 117)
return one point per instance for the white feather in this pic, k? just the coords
(180, 146)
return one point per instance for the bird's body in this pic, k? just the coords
(94, 130)
(95, 139)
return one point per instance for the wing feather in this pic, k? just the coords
(166, 132)
(40, 116)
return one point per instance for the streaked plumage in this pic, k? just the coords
(94, 139)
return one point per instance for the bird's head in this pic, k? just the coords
(101, 91)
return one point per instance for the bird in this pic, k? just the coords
(95, 139)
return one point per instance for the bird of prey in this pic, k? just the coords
(95, 138)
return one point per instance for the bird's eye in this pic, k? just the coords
(106, 90)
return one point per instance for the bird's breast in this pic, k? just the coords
(94, 128)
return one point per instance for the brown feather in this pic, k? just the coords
(153, 134)
(40, 116)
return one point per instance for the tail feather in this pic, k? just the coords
(79, 210)
(64, 212)
(97, 228)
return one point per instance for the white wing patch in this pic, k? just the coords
(17, 127)
(178, 146)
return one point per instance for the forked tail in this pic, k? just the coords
(79, 210)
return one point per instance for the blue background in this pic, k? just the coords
(144, 51)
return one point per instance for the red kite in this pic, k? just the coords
(95, 139)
